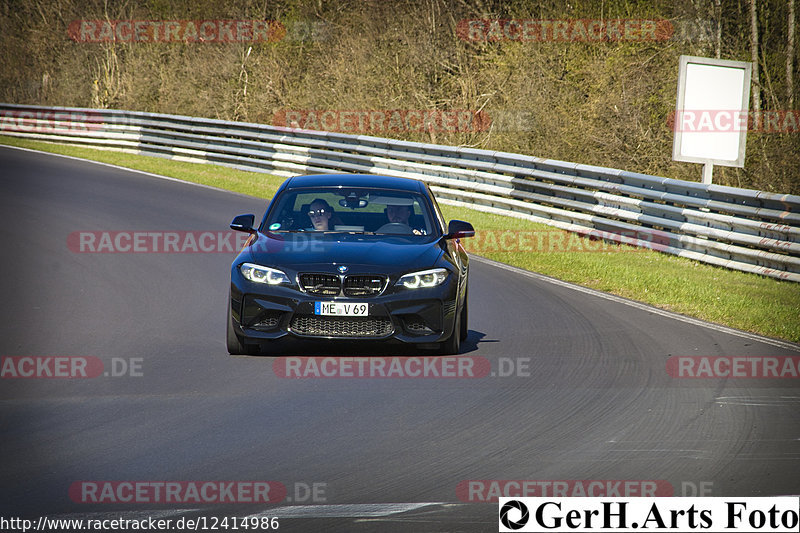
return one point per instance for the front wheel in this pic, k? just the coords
(465, 319)
(235, 346)
(453, 344)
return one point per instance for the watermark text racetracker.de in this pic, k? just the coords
(399, 367)
(69, 367)
(50, 121)
(491, 490)
(585, 30)
(200, 492)
(733, 367)
(177, 492)
(566, 30)
(188, 242)
(386, 121)
(209, 31)
(99, 242)
(734, 120)
(552, 241)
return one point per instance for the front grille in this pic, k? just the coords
(320, 284)
(355, 286)
(318, 326)
(364, 285)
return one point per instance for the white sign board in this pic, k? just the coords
(711, 111)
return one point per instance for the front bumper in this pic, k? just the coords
(262, 313)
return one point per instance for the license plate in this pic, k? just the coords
(340, 309)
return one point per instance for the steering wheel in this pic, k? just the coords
(395, 227)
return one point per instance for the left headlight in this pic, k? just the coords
(262, 274)
(423, 278)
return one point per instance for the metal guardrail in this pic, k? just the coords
(741, 229)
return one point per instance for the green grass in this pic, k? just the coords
(740, 300)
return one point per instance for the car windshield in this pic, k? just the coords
(378, 211)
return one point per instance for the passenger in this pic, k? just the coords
(320, 214)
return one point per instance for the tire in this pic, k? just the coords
(465, 319)
(235, 346)
(453, 344)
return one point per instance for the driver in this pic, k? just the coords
(399, 214)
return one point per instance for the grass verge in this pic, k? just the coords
(744, 301)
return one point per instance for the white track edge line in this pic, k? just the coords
(643, 306)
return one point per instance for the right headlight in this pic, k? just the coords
(262, 274)
(423, 278)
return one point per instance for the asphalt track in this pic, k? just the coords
(597, 403)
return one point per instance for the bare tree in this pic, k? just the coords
(754, 56)
(790, 57)
(718, 44)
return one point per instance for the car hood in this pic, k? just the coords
(304, 249)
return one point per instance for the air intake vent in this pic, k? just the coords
(361, 327)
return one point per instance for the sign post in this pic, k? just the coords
(711, 113)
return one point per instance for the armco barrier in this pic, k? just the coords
(742, 229)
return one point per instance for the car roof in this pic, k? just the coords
(355, 180)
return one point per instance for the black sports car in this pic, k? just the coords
(354, 257)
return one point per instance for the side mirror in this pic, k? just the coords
(458, 229)
(244, 223)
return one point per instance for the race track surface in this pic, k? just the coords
(589, 397)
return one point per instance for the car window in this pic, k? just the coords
(438, 212)
(380, 211)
